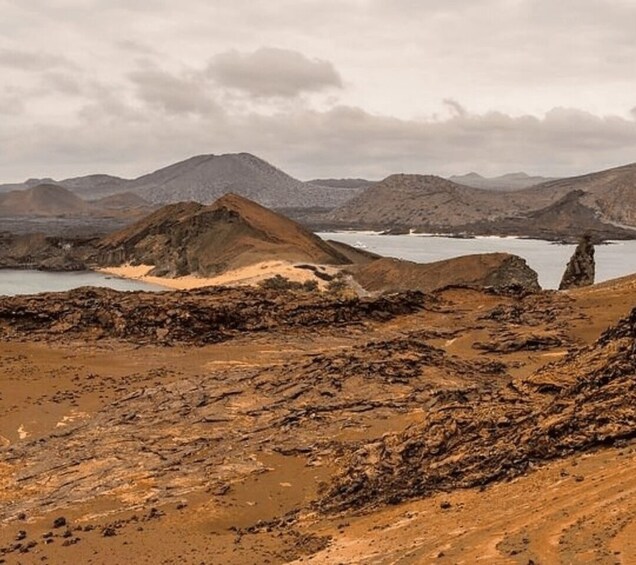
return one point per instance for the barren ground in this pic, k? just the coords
(225, 452)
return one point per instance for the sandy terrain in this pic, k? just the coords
(223, 452)
(250, 275)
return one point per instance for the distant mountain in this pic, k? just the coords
(428, 203)
(342, 183)
(566, 219)
(94, 186)
(42, 200)
(190, 238)
(418, 201)
(510, 181)
(610, 193)
(205, 178)
(30, 183)
(121, 201)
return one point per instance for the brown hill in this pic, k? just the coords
(42, 200)
(234, 232)
(496, 270)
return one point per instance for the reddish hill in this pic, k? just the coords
(498, 270)
(189, 238)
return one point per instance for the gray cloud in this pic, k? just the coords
(125, 86)
(341, 141)
(172, 94)
(11, 102)
(30, 61)
(270, 72)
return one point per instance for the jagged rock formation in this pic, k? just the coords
(585, 400)
(36, 251)
(495, 270)
(580, 269)
(234, 232)
(201, 316)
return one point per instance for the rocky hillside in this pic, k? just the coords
(494, 270)
(588, 399)
(208, 177)
(419, 200)
(190, 238)
(50, 253)
(205, 178)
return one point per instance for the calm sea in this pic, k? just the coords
(547, 259)
(14, 282)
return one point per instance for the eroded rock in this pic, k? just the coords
(580, 269)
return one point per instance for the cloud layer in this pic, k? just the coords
(338, 88)
(272, 72)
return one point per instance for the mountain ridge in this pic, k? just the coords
(204, 178)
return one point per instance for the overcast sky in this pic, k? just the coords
(317, 87)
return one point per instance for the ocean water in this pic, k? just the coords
(547, 259)
(14, 282)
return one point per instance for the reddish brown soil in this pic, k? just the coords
(190, 452)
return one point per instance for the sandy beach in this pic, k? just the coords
(245, 276)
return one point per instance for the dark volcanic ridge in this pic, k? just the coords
(588, 399)
(208, 315)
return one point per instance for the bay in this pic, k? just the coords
(13, 282)
(549, 260)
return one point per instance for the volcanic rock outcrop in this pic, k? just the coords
(499, 271)
(234, 232)
(36, 251)
(209, 315)
(580, 269)
(459, 444)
